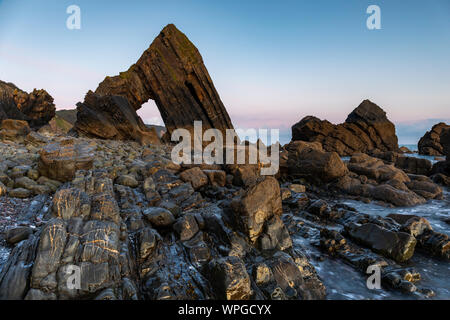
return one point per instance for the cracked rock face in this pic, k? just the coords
(112, 117)
(36, 107)
(366, 129)
(60, 160)
(430, 144)
(155, 238)
(172, 73)
(14, 130)
(76, 236)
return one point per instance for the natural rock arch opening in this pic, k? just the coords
(172, 73)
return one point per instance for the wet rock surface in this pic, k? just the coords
(135, 227)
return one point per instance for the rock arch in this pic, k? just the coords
(172, 73)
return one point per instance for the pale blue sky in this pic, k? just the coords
(272, 62)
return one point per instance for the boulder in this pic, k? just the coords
(425, 188)
(216, 177)
(383, 192)
(259, 203)
(414, 165)
(147, 240)
(195, 176)
(127, 180)
(243, 174)
(230, 278)
(372, 178)
(186, 227)
(60, 160)
(17, 234)
(441, 167)
(37, 107)
(376, 169)
(396, 245)
(159, 217)
(414, 225)
(367, 128)
(430, 143)
(112, 117)
(298, 188)
(172, 73)
(275, 235)
(441, 179)
(294, 278)
(14, 130)
(20, 193)
(308, 160)
(435, 243)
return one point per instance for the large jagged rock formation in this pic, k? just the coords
(366, 129)
(36, 107)
(430, 143)
(112, 117)
(171, 72)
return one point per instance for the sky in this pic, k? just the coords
(272, 62)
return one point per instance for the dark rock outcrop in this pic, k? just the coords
(396, 245)
(366, 129)
(430, 143)
(171, 72)
(36, 107)
(373, 179)
(259, 203)
(310, 161)
(410, 165)
(112, 117)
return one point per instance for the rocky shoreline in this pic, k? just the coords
(142, 227)
(105, 198)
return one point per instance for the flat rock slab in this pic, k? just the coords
(60, 160)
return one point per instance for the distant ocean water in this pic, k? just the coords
(285, 137)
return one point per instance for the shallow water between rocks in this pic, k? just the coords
(344, 282)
